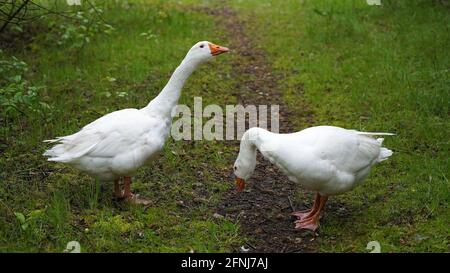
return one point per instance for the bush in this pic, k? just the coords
(76, 34)
(17, 95)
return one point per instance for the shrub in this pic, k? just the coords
(17, 95)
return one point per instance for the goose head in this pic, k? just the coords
(203, 51)
(245, 164)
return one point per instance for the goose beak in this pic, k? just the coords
(240, 184)
(217, 50)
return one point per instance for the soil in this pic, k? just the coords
(264, 208)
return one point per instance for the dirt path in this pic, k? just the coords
(264, 208)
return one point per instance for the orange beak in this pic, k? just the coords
(240, 184)
(217, 50)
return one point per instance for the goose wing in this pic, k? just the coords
(108, 136)
(348, 150)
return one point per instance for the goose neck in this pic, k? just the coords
(169, 96)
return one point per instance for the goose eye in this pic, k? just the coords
(201, 46)
(235, 168)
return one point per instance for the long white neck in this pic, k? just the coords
(168, 98)
(252, 140)
(255, 137)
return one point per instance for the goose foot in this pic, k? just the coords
(130, 197)
(309, 220)
(303, 214)
(138, 200)
(310, 224)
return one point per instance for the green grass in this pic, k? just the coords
(376, 69)
(342, 62)
(65, 205)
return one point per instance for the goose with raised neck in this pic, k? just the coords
(116, 145)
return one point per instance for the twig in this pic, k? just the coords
(294, 250)
(7, 208)
(11, 17)
(61, 13)
(264, 190)
(100, 16)
(252, 247)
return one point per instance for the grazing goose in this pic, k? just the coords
(325, 159)
(117, 144)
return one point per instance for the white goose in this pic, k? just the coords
(117, 144)
(325, 159)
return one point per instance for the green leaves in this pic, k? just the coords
(76, 34)
(110, 79)
(17, 95)
(25, 222)
(149, 35)
(20, 98)
(21, 218)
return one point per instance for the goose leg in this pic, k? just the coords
(132, 197)
(117, 190)
(127, 188)
(311, 222)
(309, 212)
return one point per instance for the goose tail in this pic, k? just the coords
(375, 134)
(70, 148)
(385, 153)
(57, 153)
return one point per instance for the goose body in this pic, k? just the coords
(326, 159)
(117, 144)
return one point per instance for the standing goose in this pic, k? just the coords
(117, 144)
(326, 159)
